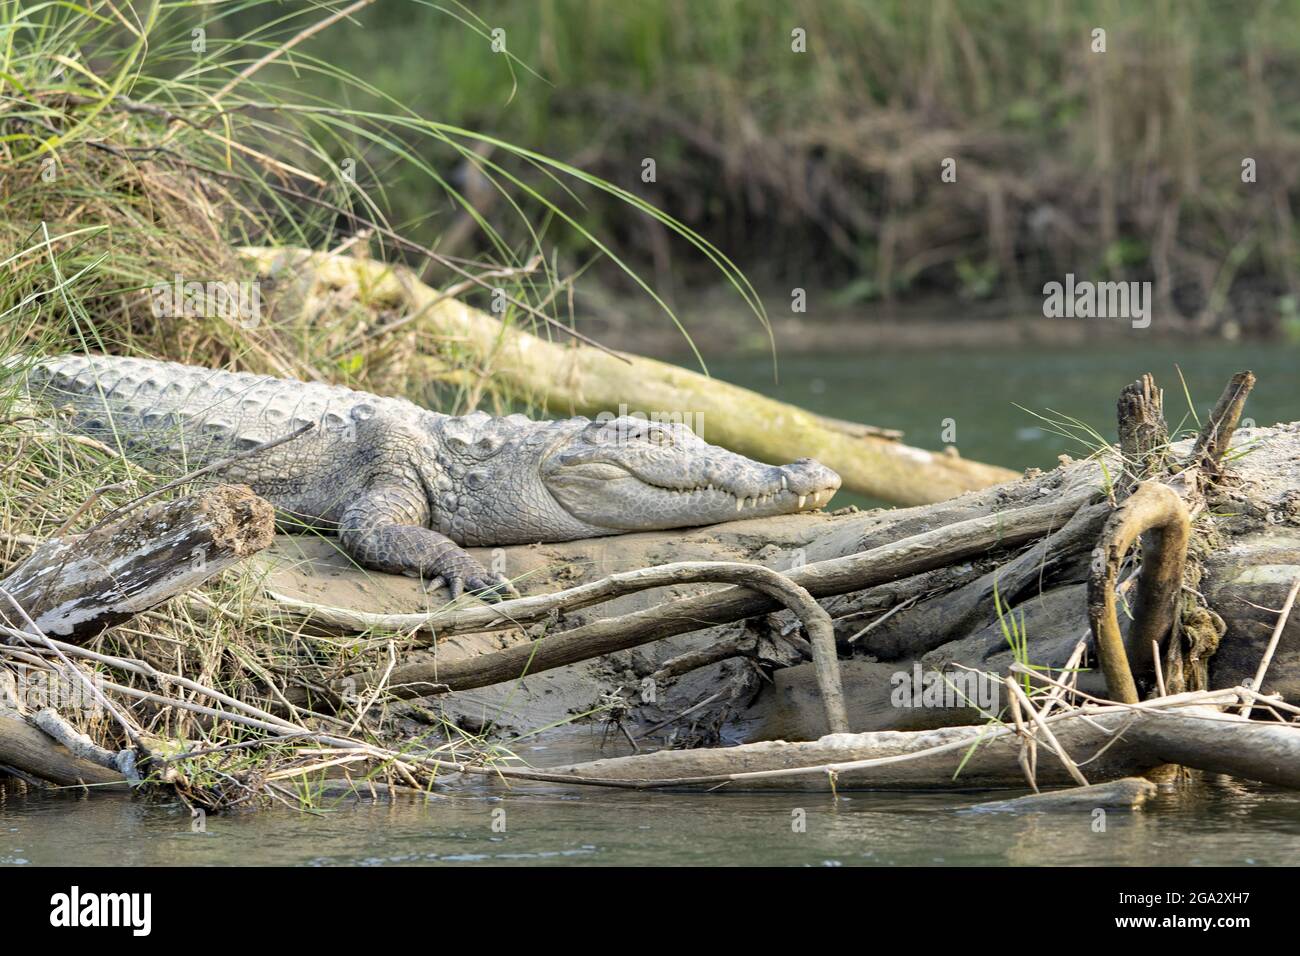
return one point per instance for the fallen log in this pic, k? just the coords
(33, 753)
(76, 586)
(1113, 740)
(1225, 743)
(1126, 793)
(576, 379)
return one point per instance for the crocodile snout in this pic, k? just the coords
(809, 477)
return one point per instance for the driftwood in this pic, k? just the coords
(1114, 740)
(32, 752)
(1143, 432)
(1215, 438)
(77, 586)
(1126, 793)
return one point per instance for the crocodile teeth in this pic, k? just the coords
(785, 485)
(740, 503)
(802, 499)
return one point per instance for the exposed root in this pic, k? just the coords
(1156, 514)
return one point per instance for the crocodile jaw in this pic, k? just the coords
(677, 481)
(626, 503)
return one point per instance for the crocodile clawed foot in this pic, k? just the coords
(497, 592)
(493, 589)
(482, 584)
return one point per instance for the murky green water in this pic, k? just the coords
(978, 391)
(1214, 823)
(1217, 822)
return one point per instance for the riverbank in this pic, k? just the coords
(717, 323)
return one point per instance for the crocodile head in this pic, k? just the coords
(512, 481)
(629, 474)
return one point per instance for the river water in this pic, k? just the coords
(1214, 821)
(969, 398)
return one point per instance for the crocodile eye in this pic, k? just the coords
(657, 436)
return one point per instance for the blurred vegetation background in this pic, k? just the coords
(822, 169)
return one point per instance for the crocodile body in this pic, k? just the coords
(404, 487)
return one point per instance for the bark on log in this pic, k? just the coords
(581, 380)
(75, 587)
(1194, 735)
(31, 751)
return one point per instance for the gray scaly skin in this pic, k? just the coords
(403, 487)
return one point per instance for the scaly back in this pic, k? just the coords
(156, 407)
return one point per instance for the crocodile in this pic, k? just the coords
(405, 489)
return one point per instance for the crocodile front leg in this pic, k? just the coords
(383, 529)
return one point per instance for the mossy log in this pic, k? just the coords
(577, 379)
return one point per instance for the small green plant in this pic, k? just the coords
(1014, 633)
